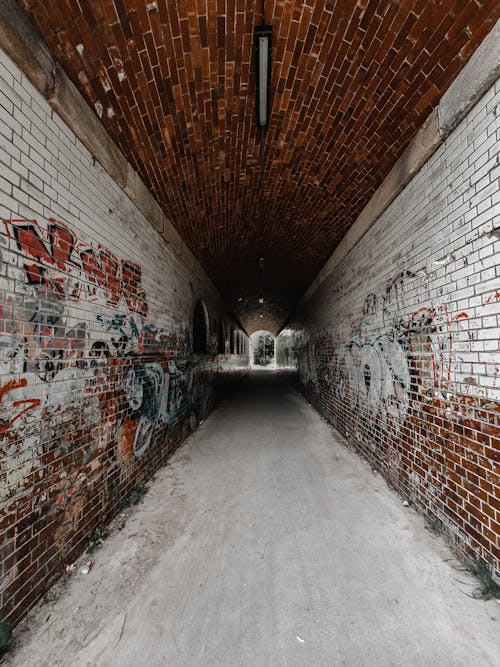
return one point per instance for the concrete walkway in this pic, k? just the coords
(266, 542)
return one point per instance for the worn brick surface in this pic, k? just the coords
(400, 346)
(98, 382)
(173, 82)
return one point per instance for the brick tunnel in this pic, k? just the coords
(176, 176)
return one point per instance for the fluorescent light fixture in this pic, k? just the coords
(263, 39)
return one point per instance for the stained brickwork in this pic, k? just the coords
(98, 382)
(399, 348)
(173, 83)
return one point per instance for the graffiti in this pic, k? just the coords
(144, 388)
(393, 299)
(37, 336)
(91, 382)
(430, 342)
(119, 334)
(180, 386)
(58, 360)
(25, 398)
(50, 337)
(370, 305)
(372, 375)
(157, 396)
(308, 369)
(491, 298)
(30, 243)
(58, 262)
(56, 366)
(15, 403)
(413, 356)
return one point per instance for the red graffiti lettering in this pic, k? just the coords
(492, 297)
(54, 253)
(103, 273)
(30, 242)
(28, 403)
(134, 294)
(62, 243)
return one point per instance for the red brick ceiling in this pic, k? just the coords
(352, 81)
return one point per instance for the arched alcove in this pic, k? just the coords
(221, 338)
(200, 329)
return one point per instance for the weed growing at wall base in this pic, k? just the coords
(5, 636)
(488, 588)
(133, 497)
(96, 538)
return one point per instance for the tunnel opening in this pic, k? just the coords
(262, 350)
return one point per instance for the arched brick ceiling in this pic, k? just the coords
(173, 83)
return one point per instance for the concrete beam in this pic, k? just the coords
(482, 70)
(23, 44)
(142, 198)
(66, 100)
(477, 77)
(27, 48)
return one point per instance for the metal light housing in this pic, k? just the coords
(263, 35)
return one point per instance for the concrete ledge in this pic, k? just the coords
(23, 43)
(69, 104)
(478, 75)
(482, 70)
(145, 202)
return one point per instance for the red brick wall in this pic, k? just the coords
(399, 346)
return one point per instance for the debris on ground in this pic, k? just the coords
(87, 567)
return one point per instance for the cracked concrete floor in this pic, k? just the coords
(266, 542)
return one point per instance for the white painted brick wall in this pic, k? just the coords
(46, 172)
(75, 434)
